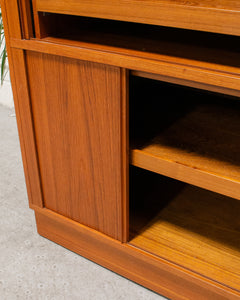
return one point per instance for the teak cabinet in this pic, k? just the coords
(129, 122)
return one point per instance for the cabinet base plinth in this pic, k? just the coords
(152, 272)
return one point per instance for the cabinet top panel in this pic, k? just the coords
(219, 16)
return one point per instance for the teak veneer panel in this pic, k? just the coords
(197, 229)
(210, 51)
(197, 75)
(201, 148)
(22, 103)
(153, 272)
(77, 109)
(11, 10)
(26, 19)
(214, 16)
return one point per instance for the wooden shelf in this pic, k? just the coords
(192, 137)
(191, 227)
(213, 16)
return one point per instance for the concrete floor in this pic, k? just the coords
(32, 267)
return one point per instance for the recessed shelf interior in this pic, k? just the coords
(192, 227)
(209, 15)
(147, 39)
(186, 128)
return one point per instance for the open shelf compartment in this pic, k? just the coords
(211, 15)
(204, 60)
(186, 134)
(191, 227)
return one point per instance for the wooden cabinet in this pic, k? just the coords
(129, 124)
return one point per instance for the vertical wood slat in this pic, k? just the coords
(125, 152)
(26, 19)
(43, 24)
(22, 105)
(36, 20)
(14, 26)
(77, 108)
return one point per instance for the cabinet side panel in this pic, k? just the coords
(77, 117)
(25, 128)
(22, 103)
(11, 9)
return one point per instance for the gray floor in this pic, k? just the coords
(32, 267)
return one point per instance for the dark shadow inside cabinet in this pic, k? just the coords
(188, 207)
(142, 38)
(193, 227)
(189, 126)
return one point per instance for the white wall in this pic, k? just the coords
(6, 97)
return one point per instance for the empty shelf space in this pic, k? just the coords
(196, 57)
(187, 135)
(215, 16)
(183, 46)
(192, 227)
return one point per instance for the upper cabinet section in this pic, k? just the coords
(218, 16)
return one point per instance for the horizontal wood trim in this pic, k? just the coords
(155, 273)
(227, 82)
(191, 227)
(188, 135)
(189, 83)
(216, 16)
(203, 179)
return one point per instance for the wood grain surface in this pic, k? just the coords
(71, 101)
(186, 134)
(125, 153)
(193, 58)
(153, 272)
(167, 66)
(214, 16)
(189, 83)
(77, 118)
(22, 104)
(26, 19)
(44, 24)
(197, 150)
(189, 226)
(12, 13)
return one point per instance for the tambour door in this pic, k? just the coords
(77, 109)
